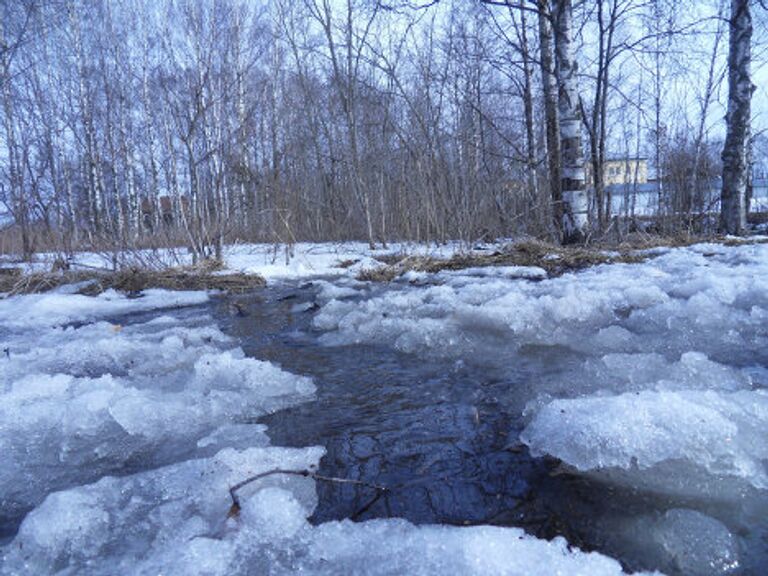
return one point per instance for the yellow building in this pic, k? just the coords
(622, 171)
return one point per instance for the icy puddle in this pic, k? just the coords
(621, 411)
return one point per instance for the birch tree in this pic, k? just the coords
(733, 207)
(572, 177)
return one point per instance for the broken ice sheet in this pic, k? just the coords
(78, 403)
(173, 521)
(679, 302)
(706, 435)
(55, 308)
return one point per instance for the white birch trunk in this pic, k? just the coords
(572, 177)
(733, 206)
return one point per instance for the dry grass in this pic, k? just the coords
(347, 263)
(14, 281)
(742, 241)
(556, 260)
(130, 280)
(134, 280)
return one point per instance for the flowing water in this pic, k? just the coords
(441, 436)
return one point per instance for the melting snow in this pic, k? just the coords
(655, 380)
(174, 521)
(155, 416)
(652, 376)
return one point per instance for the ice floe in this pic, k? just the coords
(174, 520)
(717, 434)
(124, 433)
(80, 402)
(685, 300)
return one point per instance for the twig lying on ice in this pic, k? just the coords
(234, 510)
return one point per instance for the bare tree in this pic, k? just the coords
(551, 110)
(128, 125)
(733, 211)
(575, 205)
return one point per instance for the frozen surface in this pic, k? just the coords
(529, 272)
(123, 435)
(80, 402)
(54, 308)
(645, 377)
(705, 433)
(684, 541)
(123, 432)
(707, 299)
(695, 544)
(174, 521)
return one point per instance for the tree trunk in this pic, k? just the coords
(530, 138)
(551, 113)
(733, 213)
(575, 208)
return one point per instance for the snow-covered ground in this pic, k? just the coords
(271, 261)
(122, 437)
(122, 433)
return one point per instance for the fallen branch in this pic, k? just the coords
(234, 510)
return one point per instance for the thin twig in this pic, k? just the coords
(235, 509)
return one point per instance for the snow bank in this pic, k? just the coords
(78, 403)
(54, 308)
(267, 260)
(174, 521)
(706, 298)
(308, 260)
(693, 434)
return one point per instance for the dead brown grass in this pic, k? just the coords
(131, 280)
(16, 282)
(556, 260)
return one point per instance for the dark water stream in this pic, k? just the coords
(440, 436)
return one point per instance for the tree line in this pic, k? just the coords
(136, 123)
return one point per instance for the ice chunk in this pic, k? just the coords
(275, 510)
(641, 371)
(139, 524)
(679, 302)
(696, 544)
(336, 290)
(524, 272)
(79, 403)
(139, 350)
(235, 435)
(720, 433)
(682, 541)
(174, 521)
(390, 547)
(51, 309)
